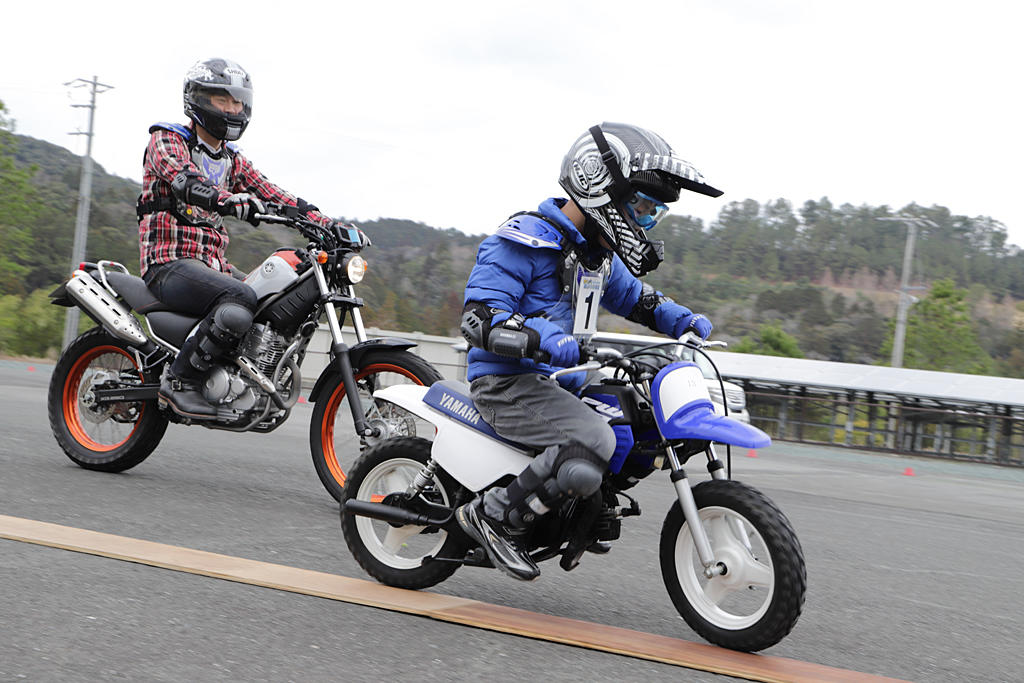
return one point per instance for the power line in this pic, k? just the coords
(84, 197)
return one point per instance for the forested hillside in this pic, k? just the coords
(817, 280)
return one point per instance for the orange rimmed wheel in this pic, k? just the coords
(333, 441)
(112, 437)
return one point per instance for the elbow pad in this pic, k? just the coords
(498, 331)
(188, 187)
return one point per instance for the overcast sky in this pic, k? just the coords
(457, 114)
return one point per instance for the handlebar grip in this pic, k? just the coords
(540, 356)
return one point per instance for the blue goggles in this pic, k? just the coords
(646, 211)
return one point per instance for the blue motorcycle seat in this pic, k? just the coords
(451, 398)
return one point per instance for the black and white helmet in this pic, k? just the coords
(218, 76)
(623, 178)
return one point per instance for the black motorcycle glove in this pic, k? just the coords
(243, 206)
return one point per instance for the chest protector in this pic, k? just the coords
(582, 273)
(214, 166)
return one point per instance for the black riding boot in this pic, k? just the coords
(215, 340)
(181, 385)
(501, 543)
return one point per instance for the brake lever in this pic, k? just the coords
(586, 367)
(695, 342)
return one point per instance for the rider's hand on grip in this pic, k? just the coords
(243, 206)
(563, 348)
(694, 322)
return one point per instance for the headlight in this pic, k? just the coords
(355, 268)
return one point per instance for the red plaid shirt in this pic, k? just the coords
(162, 238)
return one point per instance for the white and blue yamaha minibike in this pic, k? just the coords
(730, 559)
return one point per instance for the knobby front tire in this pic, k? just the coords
(758, 600)
(333, 442)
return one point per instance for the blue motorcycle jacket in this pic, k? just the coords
(519, 270)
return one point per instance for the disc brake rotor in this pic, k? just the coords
(89, 411)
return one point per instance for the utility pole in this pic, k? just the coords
(84, 197)
(900, 334)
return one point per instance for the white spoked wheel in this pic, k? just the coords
(403, 555)
(755, 597)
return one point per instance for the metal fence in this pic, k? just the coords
(978, 432)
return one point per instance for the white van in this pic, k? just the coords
(736, 399)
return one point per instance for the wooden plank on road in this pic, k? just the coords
(441, 607)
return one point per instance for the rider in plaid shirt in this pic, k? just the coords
(192, 177)
(162, 236)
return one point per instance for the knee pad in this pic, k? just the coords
(578, 470)
(233, 318)
(220, 334)
(579, 478)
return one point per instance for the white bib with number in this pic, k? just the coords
(587, 299)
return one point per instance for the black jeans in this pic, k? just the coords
(191, 287)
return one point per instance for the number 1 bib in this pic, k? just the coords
(589, 284)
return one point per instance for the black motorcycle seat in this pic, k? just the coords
(135, 292)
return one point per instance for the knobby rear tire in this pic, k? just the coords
(77, 427)
(401, 556)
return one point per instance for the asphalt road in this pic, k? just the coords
(915, 577)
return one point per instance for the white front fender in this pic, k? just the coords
(474, 459)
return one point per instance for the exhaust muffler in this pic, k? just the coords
(114, 317)
(438, 515)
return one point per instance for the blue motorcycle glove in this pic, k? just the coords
(696, 322)
(675, 320)
(563, 348)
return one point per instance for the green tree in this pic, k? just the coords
(18, 211)
(771, 341)
(941, 335)
(1011, 360)
(31, 325)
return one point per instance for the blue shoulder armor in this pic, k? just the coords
(532, 231)
(182, 130)
(185, 132)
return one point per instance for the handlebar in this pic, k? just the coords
(326, 236)
(598, 358)
(271, 218)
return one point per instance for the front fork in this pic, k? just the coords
(339, 350)
(689, 506)
(686, 501)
